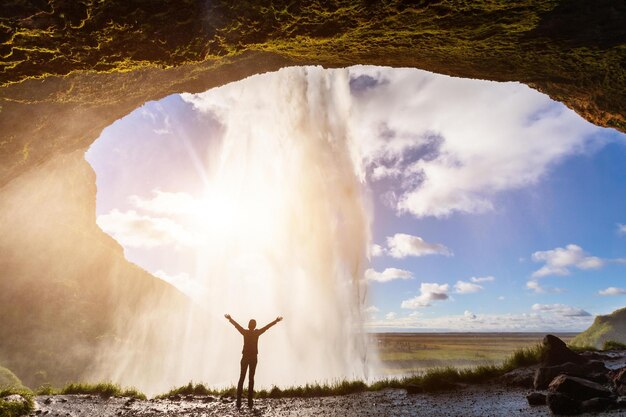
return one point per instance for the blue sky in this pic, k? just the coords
(580, 201)
(467, 179)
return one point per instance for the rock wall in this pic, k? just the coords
(66, 290)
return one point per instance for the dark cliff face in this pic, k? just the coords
(66, 291)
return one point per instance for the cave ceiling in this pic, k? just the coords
(69, 68)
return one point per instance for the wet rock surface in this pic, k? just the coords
(579, 388)
(474, 401)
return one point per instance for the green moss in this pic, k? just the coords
(9, 380)
(16, 409)
(613, 345)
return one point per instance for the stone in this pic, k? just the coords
(521, 377)
(619, 376)
(413, 389)
(598, 404)
(578, 388)
(536, 398)
(14, 398)
(556, 352)
(621, 402)
(561, 404)
(593, 370)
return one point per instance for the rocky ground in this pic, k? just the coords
(489, 400)
(566, 381)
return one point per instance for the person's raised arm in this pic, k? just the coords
(263, 329)
(234, 323)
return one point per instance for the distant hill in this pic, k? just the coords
(604, 328)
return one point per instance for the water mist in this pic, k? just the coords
(283, 229)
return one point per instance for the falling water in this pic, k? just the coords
(285, 231)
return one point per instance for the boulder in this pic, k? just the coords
(521, 377)
(14, 398)
(592, 370)
(618, 375)
(598, 404)
(536, 398)
(561, 404)
(578, 388)
(556, 352)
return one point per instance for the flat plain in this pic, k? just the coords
(406, 353)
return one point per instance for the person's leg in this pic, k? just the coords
(251, 380)
(242, 376)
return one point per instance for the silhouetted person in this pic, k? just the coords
(249, 354)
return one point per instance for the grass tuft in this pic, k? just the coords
(585, 348)
(315, 390)
(613, 345)
(194, 389)
(524, 357)
(104, 389)
(16, 409)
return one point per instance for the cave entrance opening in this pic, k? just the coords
(350, 200)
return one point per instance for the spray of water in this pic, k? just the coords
(284, 230)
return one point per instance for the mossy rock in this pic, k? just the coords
(8, 379)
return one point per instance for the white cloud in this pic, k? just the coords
(390, 316)
(132, 229)
(467, 144)
(537, 288)
(501, 298)
(402, 245)
(429, 292)
(534, 285)
(612, 291)
(523, 322)
(559, 261)
(463, 287)
(621, 229)
(372, 309)
(183, 282)
(479, 280)
(164, 202)
(376, 250)
(561, 310)
(389, 274)
(469, 315)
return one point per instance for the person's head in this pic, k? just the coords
(252, 324)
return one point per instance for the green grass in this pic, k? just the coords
(433, 380)
(192, 389)
(104, 389)
(613, 345)
(584, 348)
(315, 390)
(405, 353)
(523, 357)
(11, 409)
